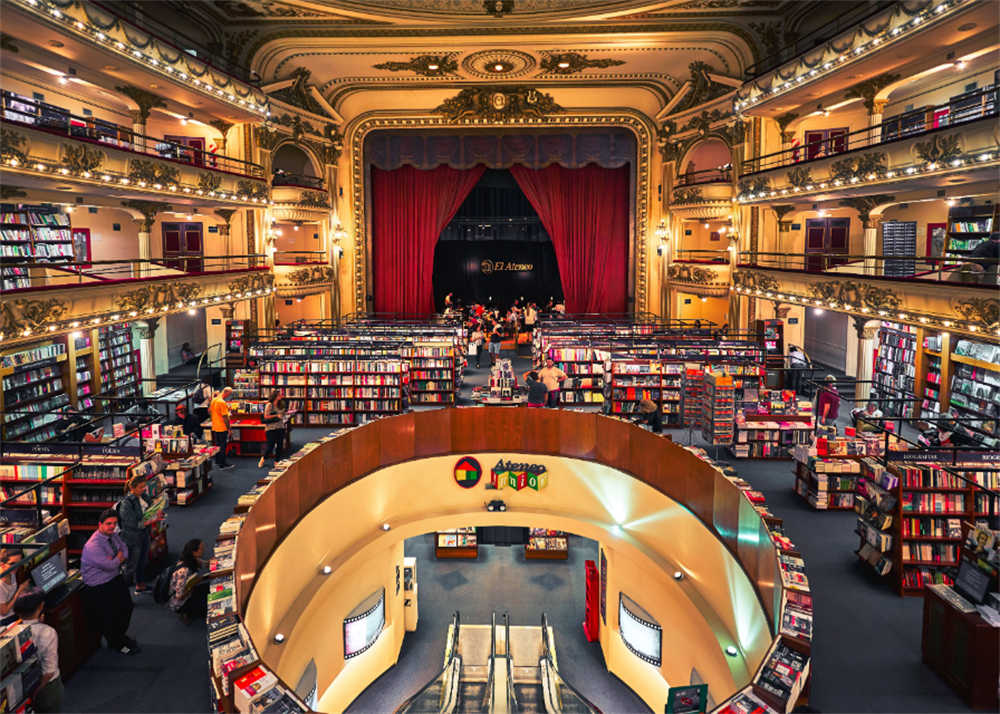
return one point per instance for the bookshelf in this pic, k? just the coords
(974, 390)
(930, 386)
(773, 425)
(827, 484)
(35, 234)
(456, 543)
(899, 238)
(245, 384)
(337, 392)
(968, 226)
(433, 372)
(118, 366)
(694, 385)
(35, 382)
(584, 368)
(718, 408)
(631, 381)
(238, 333)
(546, 544)
(894, 376)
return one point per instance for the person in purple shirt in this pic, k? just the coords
(828, 401)
(105, 594)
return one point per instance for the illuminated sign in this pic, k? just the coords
(517, 476)
(489, 267)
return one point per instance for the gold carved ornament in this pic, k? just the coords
(498, 104)
(309, 276)
(854, 293)
(872, 162)
(19, 315)
(982, 311)
(10, 145)
(152, 172)
(161, 295)
(750, 280)
(252, 283)
(81, 158)
(938, 148)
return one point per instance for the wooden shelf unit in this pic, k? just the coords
(545, 544)
(456, 543)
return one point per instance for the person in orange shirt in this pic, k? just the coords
(219, 411)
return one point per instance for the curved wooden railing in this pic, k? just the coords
(651, 458)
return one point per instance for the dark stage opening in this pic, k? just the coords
(495, 250)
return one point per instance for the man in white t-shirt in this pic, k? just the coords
(29, 609)
(9, 589)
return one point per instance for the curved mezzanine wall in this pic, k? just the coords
(714, 606)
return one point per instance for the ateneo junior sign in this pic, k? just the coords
(488, 267)
(506, 474)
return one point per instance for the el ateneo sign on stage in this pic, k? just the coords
(488, 267)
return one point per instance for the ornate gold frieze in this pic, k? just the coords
(152, 172)
(856, 294)
(252, 283)
(938, 148)
(252, 189)
(79, 158)
(751, 280)
(209, 182)
(694, 274)
(20, 315)
(864, 205)
(10, 145)
(314, 199)
(981, 311)
(800, 176)
(311, 275)
(687, 195)
(499, 104)
(156, 296)
(872, 162)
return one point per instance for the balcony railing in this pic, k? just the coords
(28, 276)
(814, 39)
(954, 270)
(301, 257)
(961, 109)
(702, 257)
(169, 35)
(282, 178)
(695, 178)
(60, 122)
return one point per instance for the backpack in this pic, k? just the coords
(161, 586)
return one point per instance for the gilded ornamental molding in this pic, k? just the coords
(501, 104)
(855, 294)
(24, 317)
(157, 296)
(423, 65)
(573, 62)
(754, 281)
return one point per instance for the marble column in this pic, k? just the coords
(875, 121)
(146, 331)
(867, 332)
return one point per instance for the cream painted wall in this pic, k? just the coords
(106, 243)
(713, 607)
(709, 154)
(311, 307)
(941, 86)
(309, 236)
(701, 237)
(923, 212)
(713, 309)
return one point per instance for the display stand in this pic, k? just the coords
(827, 484)
(545, 544)
(456, 543)
(718, 408)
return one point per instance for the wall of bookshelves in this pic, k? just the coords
(894, 376)
(960, 376)
(434, 373)
(584, 367)
(827, 483)
(968, 226)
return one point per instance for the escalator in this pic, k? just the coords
(498, 670)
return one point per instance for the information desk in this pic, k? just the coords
(963, 650)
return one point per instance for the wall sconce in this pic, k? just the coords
(661, 232)
(661, 249)
(339, 234)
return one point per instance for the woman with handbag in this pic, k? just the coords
(274, 427)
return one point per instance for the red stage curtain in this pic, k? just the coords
(410, 209)
(585, 212)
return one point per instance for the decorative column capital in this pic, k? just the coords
(148, 209)
(145, 100)
(226, 215)
(228, 310)
(865, 327)
(878, 106)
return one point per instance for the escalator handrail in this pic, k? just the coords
(593, 708)
(511, 695)
(451, 659)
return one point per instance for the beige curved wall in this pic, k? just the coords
(713, 607)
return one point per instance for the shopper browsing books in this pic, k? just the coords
(476, 342)
(9, 589)
(552, 377)
(105, 593)
(650, 415)
(188, 587)
(495, 340)
(274, 419)
(221, 425)
(867, 419)
(828, 401)
(28, 608)
(134, 531)
(537, 391)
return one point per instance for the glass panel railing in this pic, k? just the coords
(440, 694)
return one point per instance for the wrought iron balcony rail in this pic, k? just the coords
(301, 257)
(60, 122)
(960, 109)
